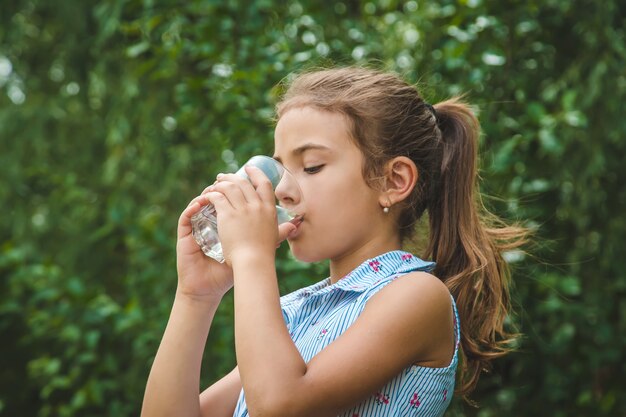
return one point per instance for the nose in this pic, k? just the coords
(288, 191)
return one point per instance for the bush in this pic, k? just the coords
(116, 114)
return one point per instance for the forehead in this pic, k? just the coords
(302, 126)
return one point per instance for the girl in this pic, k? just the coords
(384, 334)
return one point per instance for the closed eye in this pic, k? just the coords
(314, 169)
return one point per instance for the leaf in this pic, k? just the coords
(137, 49)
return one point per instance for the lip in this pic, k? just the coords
(297, 221)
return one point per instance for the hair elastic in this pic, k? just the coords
(432, 109)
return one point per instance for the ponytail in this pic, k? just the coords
(466, 242)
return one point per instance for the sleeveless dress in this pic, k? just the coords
(318, 314)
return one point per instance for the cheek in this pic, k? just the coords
(336, 198)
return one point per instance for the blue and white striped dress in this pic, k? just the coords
(318, 314)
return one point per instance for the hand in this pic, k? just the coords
(198, 275)
(246, 215)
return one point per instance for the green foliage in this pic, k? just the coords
(113, 115)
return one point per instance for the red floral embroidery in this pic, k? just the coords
(381, 398)
(445, 394)
(415, 401)
(322, 333)
(375, 265)
(406, 256)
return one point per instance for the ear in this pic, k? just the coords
(400, 178)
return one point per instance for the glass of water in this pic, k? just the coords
(204, 223)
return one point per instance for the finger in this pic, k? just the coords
(219, 177)
(220, 201)
(201, 199)
(209, 188)
(261, 183)
(284, 230)
(232, 191)
(244, 183)
(184, 221)
(194, 206)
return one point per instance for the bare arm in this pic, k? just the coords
(421, 332)
(173, 384)
(220, 398)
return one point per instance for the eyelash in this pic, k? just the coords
(313, 170)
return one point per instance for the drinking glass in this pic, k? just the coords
(204, 223)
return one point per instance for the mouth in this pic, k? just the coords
(297, 220)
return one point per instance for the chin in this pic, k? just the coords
(304, 255)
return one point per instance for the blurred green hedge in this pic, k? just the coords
(114, 114)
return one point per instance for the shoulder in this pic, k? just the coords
(417, 304)
(412, 287)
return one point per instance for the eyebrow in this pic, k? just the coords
(302, 149)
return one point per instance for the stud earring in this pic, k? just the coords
(385, 210)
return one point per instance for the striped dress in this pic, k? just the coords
(318, 314)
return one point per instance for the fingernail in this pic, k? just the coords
(220, 175)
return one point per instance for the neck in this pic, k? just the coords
(343, 264)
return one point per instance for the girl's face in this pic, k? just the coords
(341, 212)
